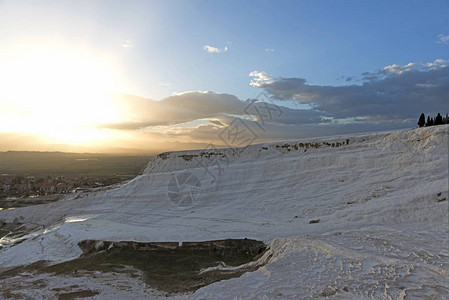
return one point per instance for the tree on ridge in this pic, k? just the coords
(422, 120)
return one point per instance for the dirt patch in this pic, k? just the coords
(12, 295)
(15, 271)
(167, 267)
(77, 295)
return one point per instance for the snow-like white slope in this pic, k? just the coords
(382, 231)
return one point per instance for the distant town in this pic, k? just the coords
(31, 178)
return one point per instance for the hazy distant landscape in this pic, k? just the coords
(31, 178)
(70, 164)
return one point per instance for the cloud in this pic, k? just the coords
(217, 122)
(259, 79)
(389, 98)
(139, 113)
(210, 133)
(163, 84)
(269, 50)
(127, 44)
(438, 63)
(398, 92)
(398, 69)
(443, 39)
(214, 50)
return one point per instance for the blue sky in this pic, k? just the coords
(316, 40)
(157, 49)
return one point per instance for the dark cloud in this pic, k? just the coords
(275, 132)
(139, 112)
(216, 122)
(391, 98)
(396, 91)
(187, 107)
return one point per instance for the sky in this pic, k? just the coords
(151, 76)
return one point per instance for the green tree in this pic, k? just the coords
(438, 120)
(422, 120)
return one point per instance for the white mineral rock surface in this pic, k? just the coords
(381, 200)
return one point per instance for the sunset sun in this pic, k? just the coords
(58, 92)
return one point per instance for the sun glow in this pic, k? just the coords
(58, 93)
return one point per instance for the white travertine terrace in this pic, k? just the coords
(381, 200)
